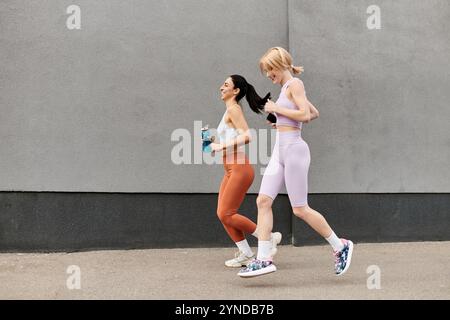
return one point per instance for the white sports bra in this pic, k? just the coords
(225, 132)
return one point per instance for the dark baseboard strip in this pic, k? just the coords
(62, 221)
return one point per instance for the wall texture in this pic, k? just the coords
(93, 109)
(383, 94)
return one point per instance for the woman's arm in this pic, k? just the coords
(314, 112)
(238, 120)
(303, 113)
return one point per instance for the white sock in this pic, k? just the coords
(244, 247)
(264, 248)
(255, 234)
(335, 242)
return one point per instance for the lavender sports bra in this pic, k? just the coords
(283, 101)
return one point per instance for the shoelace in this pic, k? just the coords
(337, 257)
(253, 264)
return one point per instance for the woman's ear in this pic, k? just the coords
(236, 91)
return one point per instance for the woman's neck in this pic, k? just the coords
(230, 103)
(286, 77)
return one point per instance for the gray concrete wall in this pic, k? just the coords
(94, 109)
(383, 94)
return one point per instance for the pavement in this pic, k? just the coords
(415, 270)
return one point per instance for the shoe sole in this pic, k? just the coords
(259, 272)
(244, 264)
(236, 265)
(349, 258)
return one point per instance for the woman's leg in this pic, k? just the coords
(232, 193)
(265, 217)
(230, 230)
(270, 186)
(232, 227)
(297, 162)
(314, 219)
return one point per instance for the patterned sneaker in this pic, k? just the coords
(343, 258)
(276, 239)
(240, 260)
(257, 268)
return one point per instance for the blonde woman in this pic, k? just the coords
(289, 164)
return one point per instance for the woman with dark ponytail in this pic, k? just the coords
(233, 133)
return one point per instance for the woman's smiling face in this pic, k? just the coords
(227, 89)
(274, 75)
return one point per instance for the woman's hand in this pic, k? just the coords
(216, 147)
(270, 107)
(313, 111)
(273, 125)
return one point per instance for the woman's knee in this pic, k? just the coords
(301, 212)
(264, 202)
(224, 214)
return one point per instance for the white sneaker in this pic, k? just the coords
(343, 258)
(257, 268)
(276, 239)
(240, 260)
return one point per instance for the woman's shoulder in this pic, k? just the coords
(297, 80)
(297, 83)
(235, 110)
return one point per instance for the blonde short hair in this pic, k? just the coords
(278, 58)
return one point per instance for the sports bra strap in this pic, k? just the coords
(287, 83)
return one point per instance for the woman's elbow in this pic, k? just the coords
(305, 118)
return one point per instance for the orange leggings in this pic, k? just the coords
(237, 180)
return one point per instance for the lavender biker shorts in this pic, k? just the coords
(289, 164)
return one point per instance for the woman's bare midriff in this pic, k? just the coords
(287, 128)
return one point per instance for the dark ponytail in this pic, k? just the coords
(255, 102)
